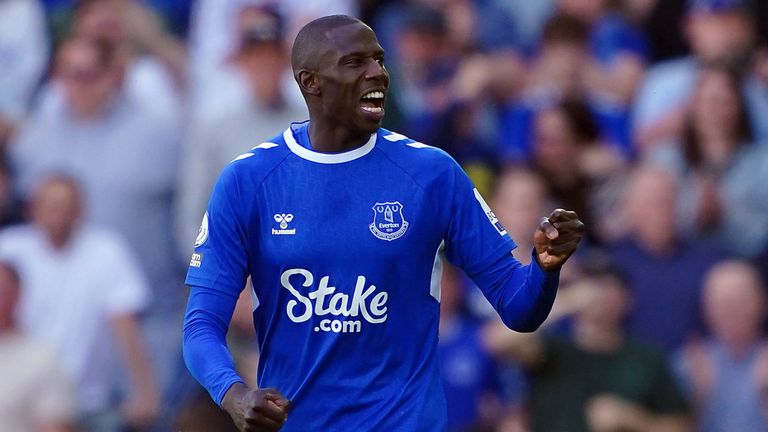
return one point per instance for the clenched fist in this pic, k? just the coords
(557, 238)
(259, 410)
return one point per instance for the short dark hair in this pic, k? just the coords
(563, 28)
(580, 118)
(305, 53)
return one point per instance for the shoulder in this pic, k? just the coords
(253, 166)
(103, 243)
(17, 238)
(422, 161)
(676, 69)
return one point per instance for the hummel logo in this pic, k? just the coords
(283, 219)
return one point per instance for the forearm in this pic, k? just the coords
(205, 348)
(522, 295)
(134, 353)
(641, 420)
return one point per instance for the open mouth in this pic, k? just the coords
(373, 103)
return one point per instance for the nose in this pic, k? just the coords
(375, 70)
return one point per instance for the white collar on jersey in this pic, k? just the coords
(327, 158)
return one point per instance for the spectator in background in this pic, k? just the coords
(125, 160)
(153, 61)
(470, 375)
(723, 171)
(726, 374)
(718, 31)
(229, 130)
(664, 270)
(570, 156)
(563, 68)
(235, 84)
(424, 61)
(36, 397)
(518, 201)
(471, 25)
(82, 292)
(618, 50)
(214, 38)
(23, 58)
(600, 379)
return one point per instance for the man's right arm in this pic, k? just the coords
(205, 348)
(210, 362)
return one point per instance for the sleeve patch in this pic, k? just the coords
(489, 213)
(202, 233)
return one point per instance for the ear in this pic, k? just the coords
(308, 82)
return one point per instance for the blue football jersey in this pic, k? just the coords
(344, 254)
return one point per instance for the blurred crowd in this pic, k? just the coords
(647, 117)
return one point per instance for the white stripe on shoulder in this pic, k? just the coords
(418, 145)
(265, 145)
(242, 156)
(394, 137)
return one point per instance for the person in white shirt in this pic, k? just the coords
(36, 396)
(83, 291)
(125, 159)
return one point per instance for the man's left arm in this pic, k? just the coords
(477, 242)
(523, 295)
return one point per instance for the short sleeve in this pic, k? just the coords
(129, 292)
(475, 239)
(220, 259)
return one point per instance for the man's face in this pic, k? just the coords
(734, 305)
(56, 208)
(88, 84)
(352, 78)
(719, 36)
(562, 65)
(605, 300)
(651, 205)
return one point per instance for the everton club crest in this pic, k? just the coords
(388, 221)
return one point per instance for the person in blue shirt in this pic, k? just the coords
(342, 227)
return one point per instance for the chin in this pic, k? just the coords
(368, 127)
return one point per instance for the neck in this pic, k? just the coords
(657, 245)
(738, 348)
(334, 139)
(59, 240)
(596, 337)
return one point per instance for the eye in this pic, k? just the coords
(353, 62)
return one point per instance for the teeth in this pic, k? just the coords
(373, 109)
(374, 95)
